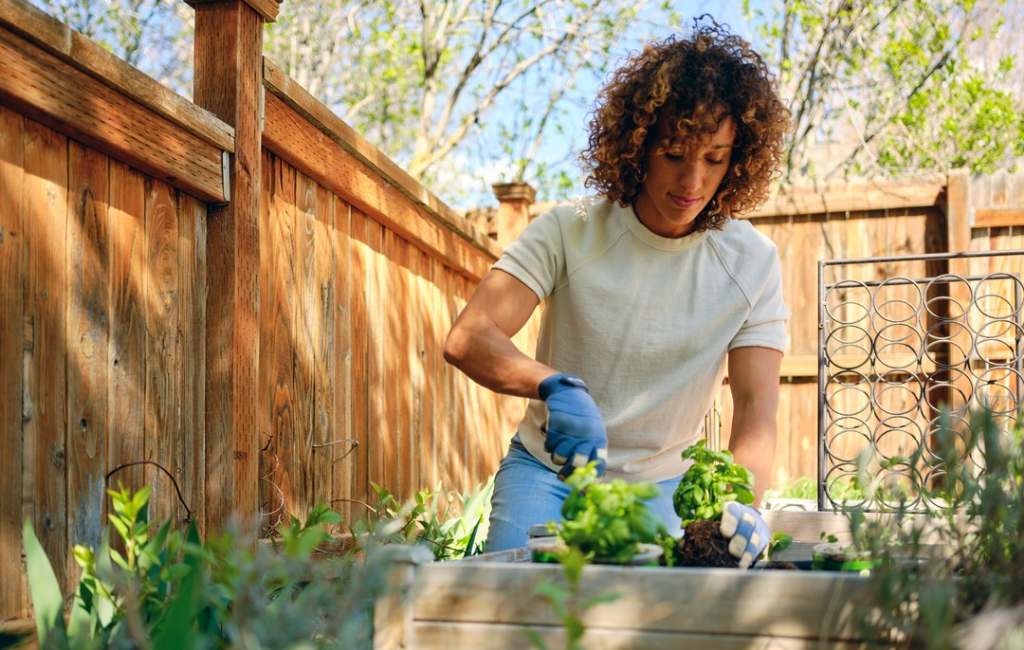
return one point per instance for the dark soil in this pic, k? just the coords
(702, 545)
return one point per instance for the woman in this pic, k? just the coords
(650, 289)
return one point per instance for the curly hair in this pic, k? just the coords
(697, 81)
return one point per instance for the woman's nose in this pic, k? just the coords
(690, 177)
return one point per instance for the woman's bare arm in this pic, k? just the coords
(480, 341)
(754, 381)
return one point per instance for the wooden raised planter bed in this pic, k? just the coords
(488, 603)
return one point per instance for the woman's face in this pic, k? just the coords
(680, 183)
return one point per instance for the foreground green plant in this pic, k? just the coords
(170, 591)
(569, 607)
(607, 522)
(806, 487)
(966, 582)
(451, 525)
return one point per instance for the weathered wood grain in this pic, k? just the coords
(324, 315)
(379, 429)
(127, 327)
(844, 196)
(288, 135)
(305, 334)
(430, 635)
(193, 279)
(416, 451)
(433, 374)
(15, 224)
(268, 496)
(398, 325)
(998, 217)
(77, 50)
(804, 605)
(463, 426)
(48, 90)
(315, 113)
(281, 355)
(266, 8)
(444, 442)
(46, 345)
(227, 82)
(341, 453)
(163, 420)
(88, 268)
(359, 261)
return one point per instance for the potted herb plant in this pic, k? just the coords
(609, 523)
(713, 480)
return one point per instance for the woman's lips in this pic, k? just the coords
(682, 202)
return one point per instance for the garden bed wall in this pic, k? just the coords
(256, 305)
(491, 602)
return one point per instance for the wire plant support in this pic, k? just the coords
(905, 347)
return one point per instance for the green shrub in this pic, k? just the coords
(967, 582)
(452, 525)
(165, 590)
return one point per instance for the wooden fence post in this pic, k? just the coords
(229, 83)
(514, 200)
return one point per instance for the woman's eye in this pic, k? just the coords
(672, 157)
(712, 161)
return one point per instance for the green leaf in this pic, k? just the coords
(608, 597)
(535, 639)
(47, 601)
(120, 526)
(177, 626)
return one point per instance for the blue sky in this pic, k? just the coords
(475, 188)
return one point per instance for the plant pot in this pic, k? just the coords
(834, 556)
(547, 549)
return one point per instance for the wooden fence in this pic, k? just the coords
(250, 297)
(954, 213)
(244, 292)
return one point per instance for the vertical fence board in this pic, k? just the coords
(305, 330)
(360, 343)
(192, 379)
(325, 314)
(380, 435)
(342, 454)
(45, 427)
(268, 496)
(228, 82)
(397, 314)
(467, 399)
(14, 242)
(416, 450)
(163, 353)
(281, 355)
(447, 462)
(127, 327)
(432, 376)
(88, 313)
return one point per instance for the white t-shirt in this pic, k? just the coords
(646, 321)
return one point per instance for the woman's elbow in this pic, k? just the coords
(455, 346)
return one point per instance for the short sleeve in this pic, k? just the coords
(537, 257)
(765, 326)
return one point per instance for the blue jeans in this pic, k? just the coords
(526, 492)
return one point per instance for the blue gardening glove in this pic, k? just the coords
(575, 431)
(746, 531)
